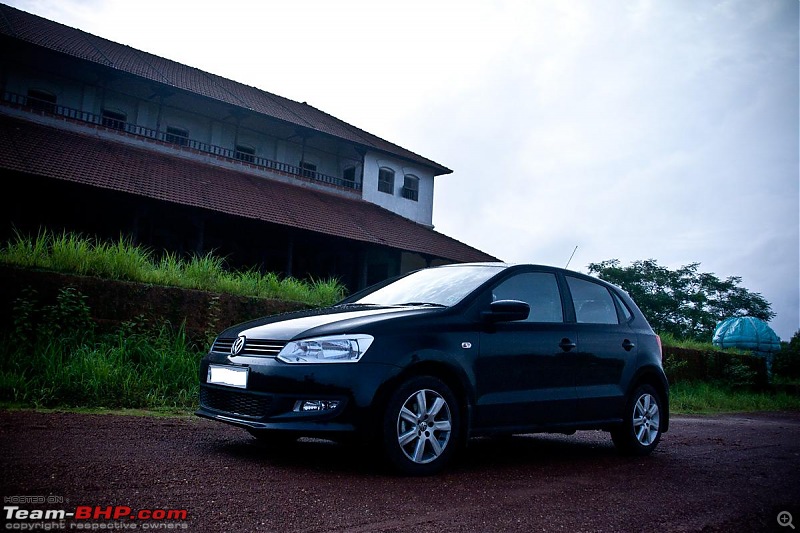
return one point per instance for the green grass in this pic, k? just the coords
(156, 370)
(122, 260)
(667, 339)
(54, 357)
(709, 398)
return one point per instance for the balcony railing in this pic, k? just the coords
(49, 108)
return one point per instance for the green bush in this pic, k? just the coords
(704, 397)
(787, 361)
(55, 357)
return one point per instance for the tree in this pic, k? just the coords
(685, 302)
(787, 361)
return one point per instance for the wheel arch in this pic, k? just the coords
(448, 374)
(654, 377)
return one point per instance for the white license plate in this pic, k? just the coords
(232, 376)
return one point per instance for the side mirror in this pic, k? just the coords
(507, 311)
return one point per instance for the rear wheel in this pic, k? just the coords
(421, 426)
(640, 431)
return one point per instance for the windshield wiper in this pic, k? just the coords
(358, 304)
(420, 304)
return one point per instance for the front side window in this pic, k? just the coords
(177, 136)
(411, 187)
(386, 180)
(593, 303)
(539, 290)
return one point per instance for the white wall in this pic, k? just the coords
(420, 211)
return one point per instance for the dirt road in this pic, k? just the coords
(728, 473)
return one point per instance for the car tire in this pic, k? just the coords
(421, 427)
(640, 431)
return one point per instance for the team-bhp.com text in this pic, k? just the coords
(94, 518)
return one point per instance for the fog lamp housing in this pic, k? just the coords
(309, 406)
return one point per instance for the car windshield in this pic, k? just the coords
(445, 286)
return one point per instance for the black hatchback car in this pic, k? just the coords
(418, 364)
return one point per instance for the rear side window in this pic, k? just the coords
(593, 303)
(626, 313)
(537, 289)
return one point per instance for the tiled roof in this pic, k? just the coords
(55, 153)
(60, 38)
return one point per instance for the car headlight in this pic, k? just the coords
(335, 349)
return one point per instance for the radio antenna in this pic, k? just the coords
(570, 257)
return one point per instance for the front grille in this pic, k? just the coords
(235, 402)
(262, 348)
(222, 345)
(254, 347)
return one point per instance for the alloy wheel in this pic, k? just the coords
(646, 419)
(424, 426)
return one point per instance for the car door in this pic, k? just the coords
(606, 351)
(523, 373)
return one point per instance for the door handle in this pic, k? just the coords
(566, 344)
(628, 345)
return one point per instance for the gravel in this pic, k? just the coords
(722, 473)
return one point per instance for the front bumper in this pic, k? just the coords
(258, 410)
(275, 387)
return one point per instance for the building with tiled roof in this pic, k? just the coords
(104, 139)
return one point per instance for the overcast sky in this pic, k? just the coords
(632, 129)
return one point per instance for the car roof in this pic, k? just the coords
(521, 266)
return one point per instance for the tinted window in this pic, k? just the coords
(625, 311)
(537, 289)
(593, 303)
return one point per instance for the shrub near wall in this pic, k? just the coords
(737, 369)
(79, 341)
(115, 302)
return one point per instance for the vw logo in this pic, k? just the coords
(238, 345)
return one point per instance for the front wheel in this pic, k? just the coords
(640, 431)
(421, 426)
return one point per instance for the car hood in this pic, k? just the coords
(332, 321)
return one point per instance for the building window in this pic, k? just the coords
(411, 187)
(177, 136)
(245, 153)
(308, 170)
(386, 180)
(114, 120)
(349, 174)
(41, 101)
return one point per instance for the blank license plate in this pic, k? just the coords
(232, 376)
